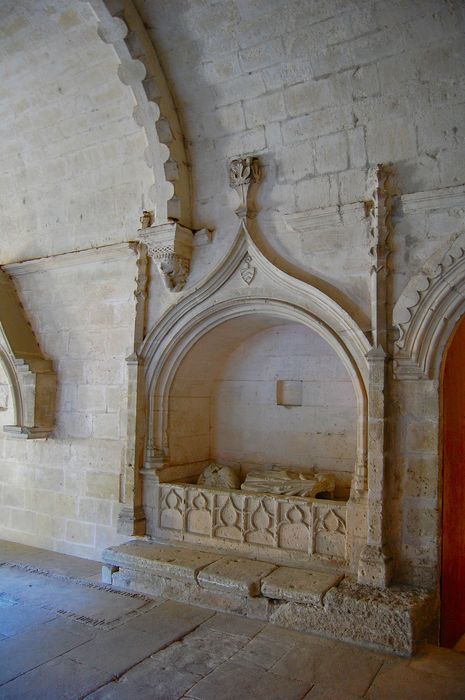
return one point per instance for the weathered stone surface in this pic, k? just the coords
(330, 88)
(234, 624)
(240, 576)
(297, 585)
(393, 619)
(174, 650)
(170, 562)
(70, 680)
(246, 681)
(190, 592)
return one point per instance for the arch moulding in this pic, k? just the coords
(246, 284)
(225, 296)
(431, 319)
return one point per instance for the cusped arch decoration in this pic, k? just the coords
(30, 375)
(121, 26)
(432, 316)
(224, 296)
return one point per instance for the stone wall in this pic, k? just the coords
(73, 177)
(63, 493)
(253, 421)
(72, 166)
(321, 91)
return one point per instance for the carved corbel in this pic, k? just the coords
(170, 247)
(244, 174)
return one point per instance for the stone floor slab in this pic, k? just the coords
(160, 560)
(16, 618)
(122, 689)
(347, 669)
(442, 662)
(286, 583)
(55, 562)
(235, 624)
(170, 615)
(233, 681)
(60, 679)
(241, 576)
(33, 647)
(119, 649)
(263, 653)
(301, 663)
(403, 683)
(55, 593)
(197, 654)
(319, 692)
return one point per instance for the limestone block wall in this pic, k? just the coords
(72, 168)
(63, 493)
(322, 90)
(73, 177)
(414, 489)
(249, 426)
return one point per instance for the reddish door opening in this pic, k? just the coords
(453, 517)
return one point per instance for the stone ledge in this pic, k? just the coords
(393, 619)
(295, 585)
(242, 576)
(159, 560)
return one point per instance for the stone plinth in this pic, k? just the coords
(393, 620)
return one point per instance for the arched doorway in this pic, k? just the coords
(453, 517)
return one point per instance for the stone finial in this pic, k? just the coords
(243, 173)
(379, 210)
(170, 247)
(146, 219)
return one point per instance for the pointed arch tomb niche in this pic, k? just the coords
(217, 367)
(27, 378)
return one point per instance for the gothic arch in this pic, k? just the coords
(223, 297)
(30, 375)
(432, 318)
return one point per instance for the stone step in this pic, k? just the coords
(392, 619)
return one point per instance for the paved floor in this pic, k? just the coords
(63, 636)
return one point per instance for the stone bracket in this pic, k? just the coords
(170, 247)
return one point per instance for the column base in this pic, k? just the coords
(131, 521)
(375, 566)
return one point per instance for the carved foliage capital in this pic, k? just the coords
(170, 247)
(243, 173)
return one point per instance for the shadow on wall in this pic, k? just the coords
(226, 401)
